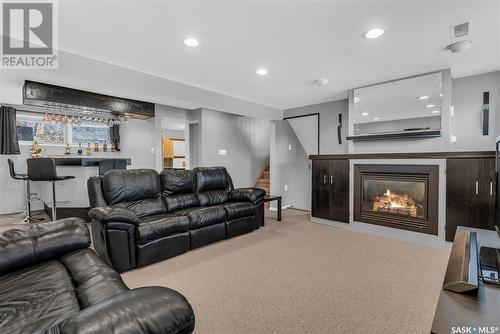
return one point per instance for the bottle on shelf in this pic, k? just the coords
(105, 147)
(89, 150)
(80, 150)
(67, 150)
(96, 147)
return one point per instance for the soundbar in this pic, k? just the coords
(462, 272)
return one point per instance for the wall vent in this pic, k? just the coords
(460, 30)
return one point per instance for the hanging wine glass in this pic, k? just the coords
(53, 119)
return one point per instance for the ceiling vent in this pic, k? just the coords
(460, 30)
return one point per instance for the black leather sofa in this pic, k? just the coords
(51, 282)
(140, 217)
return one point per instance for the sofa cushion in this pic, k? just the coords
(213, 197)
(203, 216)
(137, 189)
(178, 189)
(35, 243)
(181, 201)
(239, 209)
(174, 182)
(155, 227)
(212, 185)
(36, 298)
(211, 178)
(93, 279)
(145, 207)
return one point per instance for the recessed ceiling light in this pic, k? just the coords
(365, 114)
(430, 106)
(261, 71)
(423, 97)
(357, 99)
(322, 81)
(374, 33)
(192, 42)
(435, 111)
(182, 126)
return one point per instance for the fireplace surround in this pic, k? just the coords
(398, 196)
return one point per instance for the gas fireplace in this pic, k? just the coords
(399, 196)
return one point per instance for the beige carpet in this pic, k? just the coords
(301, 277)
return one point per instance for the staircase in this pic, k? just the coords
(264, 182)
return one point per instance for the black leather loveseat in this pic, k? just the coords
(51, 282)
(140, 217)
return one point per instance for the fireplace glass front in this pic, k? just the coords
(395, 197)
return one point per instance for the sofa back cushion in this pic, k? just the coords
(212, 185)
(178, 189)
(35, 243)
(136, 189)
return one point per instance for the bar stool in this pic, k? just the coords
(111, 164)
(27, 188)
(44, 169)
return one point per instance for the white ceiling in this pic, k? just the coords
(298, 42)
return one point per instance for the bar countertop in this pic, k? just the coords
(83, 161)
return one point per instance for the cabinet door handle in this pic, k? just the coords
(324, 178)
(491, 188)
(331, 179)
(477, 187)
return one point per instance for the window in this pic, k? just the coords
(90, 134)
(31, 128)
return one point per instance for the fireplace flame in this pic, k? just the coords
(392, 202)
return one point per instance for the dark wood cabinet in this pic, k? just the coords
(470, 194)
(330, 189)
(320, 189)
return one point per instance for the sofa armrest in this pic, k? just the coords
(109, 214)
(254, 195)
(143, 310)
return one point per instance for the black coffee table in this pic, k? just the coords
(270, 198)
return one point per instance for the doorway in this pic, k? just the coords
(175, 145)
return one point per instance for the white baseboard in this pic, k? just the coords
(276, 209)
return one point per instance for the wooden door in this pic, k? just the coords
(320, 189)
(467, 194)
(339, 183)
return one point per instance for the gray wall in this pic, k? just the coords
(289, 167)
(245, 139)
(465, 94)
(329, 117)
(467, 100)
(177, 134)
(195, 138)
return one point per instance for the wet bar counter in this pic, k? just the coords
(83, 161)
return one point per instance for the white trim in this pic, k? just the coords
(271, 208)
